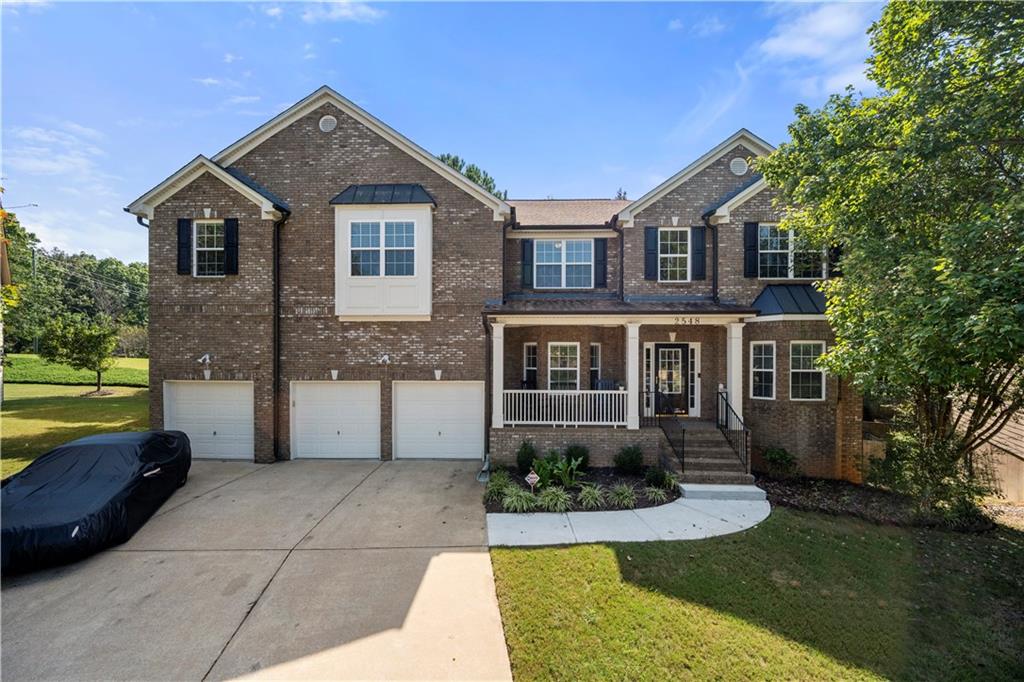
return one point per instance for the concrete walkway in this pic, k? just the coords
(682, 519)
(294, 570)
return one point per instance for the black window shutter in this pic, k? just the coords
(835, 254)
(231, 246)
(601, 263)
(527, 263)
(699, 257)
(750, 249)
(651, 253)
(184, 246)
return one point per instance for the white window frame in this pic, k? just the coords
(806, 371)
(381, 247)
(196, 249)
(536, 358)
(573, 344)
(790, 251)
(689, 254)
(592, 367)
(564, 265)
(772, 370)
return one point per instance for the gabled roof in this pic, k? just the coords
(566, 212)
(790, 299)
(742, 136)
(325, 95)
(271, 206)
(729, 199)
(384, 194)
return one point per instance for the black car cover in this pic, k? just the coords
(88, 495)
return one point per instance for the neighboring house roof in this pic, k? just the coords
(326, 95)
(384, 194)
(566, 212)
(737, 196)
(239, 175)
(271, 206)
(742, 136)
(606, 306)
(790, 299)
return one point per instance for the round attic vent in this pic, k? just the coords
(328, 123)
(738, 166)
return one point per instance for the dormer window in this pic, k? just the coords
(563, 264)
(781, 254)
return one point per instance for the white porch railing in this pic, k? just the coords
(565, 408)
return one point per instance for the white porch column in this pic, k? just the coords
(734, 367)
(633, 375)
(497, 375)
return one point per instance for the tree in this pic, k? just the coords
(81, 343)
(921, 185)
(621, 194)
(474, 173)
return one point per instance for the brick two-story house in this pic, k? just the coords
(324, 287)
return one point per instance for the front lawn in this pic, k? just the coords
(36, 418)
(801, 596)
(31, 369)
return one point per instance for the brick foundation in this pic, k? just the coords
(603, 442)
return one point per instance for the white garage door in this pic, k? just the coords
(216, 415)
(439, 419)
(338, 419)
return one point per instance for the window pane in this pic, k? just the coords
(673, 242)
(579, 251)
(531, 357)
(399, 235)
(774, 264)
(365, 235)
(563, 356)
(366, 263)
(548, 251)
(808, 264)
(804, 355)
(578, 276)
(806, 386)
(548, 277)
(762, 356)
(210, 263)
(562, 380)
(672, 268)
(762, 384)
(399, 262)
(771, 238)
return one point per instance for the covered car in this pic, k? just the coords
(87, 495)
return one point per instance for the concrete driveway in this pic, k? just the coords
(309, 569)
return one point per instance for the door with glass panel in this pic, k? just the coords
(671, 376)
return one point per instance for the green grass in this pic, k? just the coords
(801, 596)
(36, 418)
(31, 369)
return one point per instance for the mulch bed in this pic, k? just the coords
(843, 498)
(606, 477)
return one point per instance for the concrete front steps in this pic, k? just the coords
(709, 491)
(707, 456)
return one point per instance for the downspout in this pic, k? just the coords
(276, 360)
(614, 224)
(714, 258)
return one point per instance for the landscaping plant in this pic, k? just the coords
(518, 500)
(567, 472)
(581, 453)
(630, 460)
(554, 499)
(525, 456)
(591, 496)
(623, 496)
(656, 477)
(781, 463)
(921, 183)
(497, 484)
(656, 495)
(545, 468)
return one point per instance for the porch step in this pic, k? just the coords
(717, 477)
(701, 464)
(699, 491)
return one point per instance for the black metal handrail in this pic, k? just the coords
(733, 428)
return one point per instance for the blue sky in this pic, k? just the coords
(102, 101)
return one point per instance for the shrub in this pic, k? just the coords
(579, 452)
(545, 468)
(671, 481)
(592, 496)
(656, 477)
(525, 456)
(554, 499)
(623, 496)
(630, 460)
(567, 472)
(518, 500)
(781, 464)
(497, 484)
(656, 495)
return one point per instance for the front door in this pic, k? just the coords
(671, 362)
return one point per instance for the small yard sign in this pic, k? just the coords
(532, 478)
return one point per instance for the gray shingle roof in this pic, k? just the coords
(598, 306)
(384, 194)
(718, 204)
(790, 299)
(277, 201)
(566, 212)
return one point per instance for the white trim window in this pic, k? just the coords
(674, 254)
(563, 264)
(563, 366)
(595, 365)
(530, 365)
(398, 251)
(806, 378)
(208, 248)
(762, 370)
(781, 254)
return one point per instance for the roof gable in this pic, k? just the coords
(271, 206)
(325, 94)
(741, 137)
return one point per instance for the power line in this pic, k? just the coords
(76, 270)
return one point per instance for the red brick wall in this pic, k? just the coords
(603, 442)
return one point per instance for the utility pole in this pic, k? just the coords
(35, 341)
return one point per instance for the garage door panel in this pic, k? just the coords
(339, 419)
(216, 416)
(439, 420)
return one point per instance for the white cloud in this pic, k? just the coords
(274, 12)
(308, 51)
(230, 57)
(342, 10)
(712, 104)
(208, 81)
(675, 25)
(708, 26)
(243, 99)
(98, 231)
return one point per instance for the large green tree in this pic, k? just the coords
(474, 173)
(81, 343)
(921, 185)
